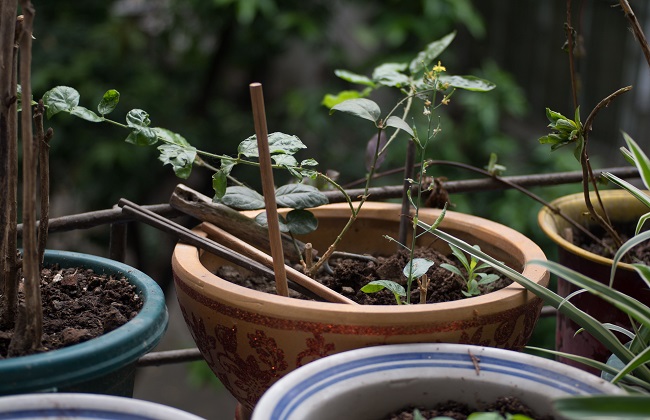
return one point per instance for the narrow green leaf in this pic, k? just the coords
(472, 83)
(109, 101)
(243, 198)
(452, 268)
(604, 407)
(430, 53)
(400, 124)
(640, 159)
(299, 196)
(361, 107)
(628, 245)
(636, 192)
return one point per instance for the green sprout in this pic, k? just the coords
(474, 277)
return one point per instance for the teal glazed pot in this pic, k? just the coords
(103, 365)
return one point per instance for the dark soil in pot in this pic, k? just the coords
(640, 253)
(79, 305)
(460, 411)
(350, 275)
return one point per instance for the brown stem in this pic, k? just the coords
(636, 28)
(569, 37)
(588, 176)
(43, 141)
(31, 272)
(10, 32)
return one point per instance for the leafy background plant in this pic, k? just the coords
(189, 62)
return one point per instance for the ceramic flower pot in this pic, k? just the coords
(71, 406)
(372, 383)
(251, 339)
(622, 208)
(105, 364)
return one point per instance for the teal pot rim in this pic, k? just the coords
(114, 350)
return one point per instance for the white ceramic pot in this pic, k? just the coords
(72, 406)
(371, 383)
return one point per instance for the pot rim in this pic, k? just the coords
(547, 221)
(186, 264)
(92, 358)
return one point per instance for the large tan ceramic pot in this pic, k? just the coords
(622, 208)
(250, 339)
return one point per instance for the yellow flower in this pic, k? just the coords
(439, 68)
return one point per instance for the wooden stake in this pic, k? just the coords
(268, 189)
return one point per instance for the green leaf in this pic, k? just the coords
(309, 162)
(554, 116)
(263, 220)
(181, 158)
(142, 137)
(472, 83)
(284, 160)
(417, 267)
(363, 108)
(60, 98)
(85, 114)
(109, 101)
(604, 407)
(390, 74)
(640, 159)
(377, 285)
(219, 184)
(400, 124)
(348, 76)
(137, 118)
(452, 268)
(168, 136)
(299, 196)
(243, 198)
(278, 143)
(628, 245)
(430, 53)
(330, 100)
(301, 222)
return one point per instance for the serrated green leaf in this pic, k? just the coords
(361, 107)
(299, 196)
(430, 53)
(109, 101)
(180, 158)
(348, 76)
(60, 98)
(301, 222)
(243, 198)
(400, 124)
(85, 114)
(417, 268)
(472, 83)
(219, 184)
(279, 143)
(284, 160)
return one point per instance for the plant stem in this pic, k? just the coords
(636, 28)
(31, 272)
(43, 141)
(569, 37)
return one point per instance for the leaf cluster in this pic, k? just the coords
(564, 131)
(473, 277)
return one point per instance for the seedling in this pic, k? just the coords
(474, 278)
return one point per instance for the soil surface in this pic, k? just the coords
(350, 275)
(79, 305)
(640, 253)
(460, 411)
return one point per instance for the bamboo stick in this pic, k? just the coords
(268, 188)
